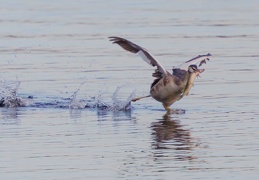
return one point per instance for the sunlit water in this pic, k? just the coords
(66, 91)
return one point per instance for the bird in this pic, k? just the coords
(167, 87)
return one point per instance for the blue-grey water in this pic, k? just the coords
(66, 90)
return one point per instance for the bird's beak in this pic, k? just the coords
(198, 71)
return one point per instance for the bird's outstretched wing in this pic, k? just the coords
(144, 54)
(182, 69)
(198, 60)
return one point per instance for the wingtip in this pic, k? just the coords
(113, 39)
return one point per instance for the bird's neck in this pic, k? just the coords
(190, 77)
(187, 77)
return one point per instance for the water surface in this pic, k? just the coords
(68, 88)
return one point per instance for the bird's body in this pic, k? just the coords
(167, 92)
(167, 88)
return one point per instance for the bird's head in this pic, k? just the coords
(194, 69)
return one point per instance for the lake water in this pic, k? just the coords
(66, 88)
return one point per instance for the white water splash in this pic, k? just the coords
(10, 98)
(8, 94)
(98, 102)
(74, 102)
(119, 105)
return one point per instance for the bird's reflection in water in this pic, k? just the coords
(169, 136)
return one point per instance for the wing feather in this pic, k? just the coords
(198, 60)
(142, 52)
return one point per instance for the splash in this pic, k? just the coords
(98, 101)
(74, 102)
(119, 105)
(10, 98)
(8, 94)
